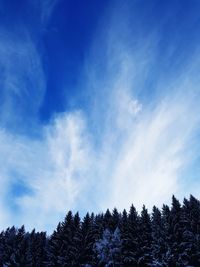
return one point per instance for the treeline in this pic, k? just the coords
(168, 237)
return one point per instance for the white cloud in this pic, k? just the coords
(53, 168)
(134, 107)
(127, 150)
(22, 79)
(140, 156)
(152, 158)
(147, 143)
(148, 154)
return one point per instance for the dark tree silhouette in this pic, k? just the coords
(166, 238)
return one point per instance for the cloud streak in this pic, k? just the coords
(133, 144)
(146, 125)
(21, 70)
(53, 169)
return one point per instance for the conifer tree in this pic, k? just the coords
(169, 238)
(145, 239)
(190, 239)
(98, 226)
(54, 247)
(176, 231)
(129, 234)
(9, 246)
(159, 246)
(20, 247)
(108, 221)
(115, 221)
(65, 257)
(108, 249)
(88, 240)
(36, 249)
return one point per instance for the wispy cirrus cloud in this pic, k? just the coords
(23, 79)
(52, 169)
(21, 70)
(133, 144)
(145, 153)
(142, 153)
(147, 124)
(45, 9)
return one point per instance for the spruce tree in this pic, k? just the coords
(145, 239)
(65, 257)
(169, 238)
(88, 240)
(108, 249)
(9, 246)
(36, 249)
(54, 247)
(115, 221)
(159, 246)
(20, 247)
(191, 235)
(108, 221)
(130, 239)
(76, 248)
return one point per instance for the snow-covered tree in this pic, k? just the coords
(108, 249)
(167, 238)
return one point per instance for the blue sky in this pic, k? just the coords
(99, 106)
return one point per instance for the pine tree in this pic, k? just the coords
(9, 246)
(159, 246)
(98, 226)
(88, 240)
(174, 233)
(108, 220)
(36, 249)
(168, 242)
(129, 233)
(2, 248)
(167, 239)
(54, 247)
(76, 242)
(115, 221)
(20, 247)
(65, 257)
(190, 240)
(115, 249)
(145, 239)
(108, 249)
(60, 247)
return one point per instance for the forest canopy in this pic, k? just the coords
(166, 237)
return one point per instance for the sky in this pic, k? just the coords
(99, 106)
